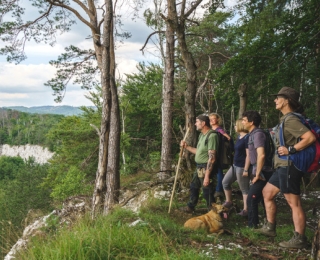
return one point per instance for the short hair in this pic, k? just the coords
(253, 116)
(205, 119)
(240, 127)
(217, 116)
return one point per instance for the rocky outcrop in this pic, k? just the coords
(75, 207)
(39, 153)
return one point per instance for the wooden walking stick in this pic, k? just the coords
(177, 171)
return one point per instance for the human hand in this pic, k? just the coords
(255, 179)
(183, 144)
(282, 150)
(206, 181)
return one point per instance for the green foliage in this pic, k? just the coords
(74, 164)
(18, 195)
(19, 128)
(275, 46)
(141, 116)
(10, 166)
(73, 183)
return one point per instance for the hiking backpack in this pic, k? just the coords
(225, 150)
(269, 146)
(308, 159)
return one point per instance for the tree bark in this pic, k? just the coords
(106, 191)
(190, 66)
(242, 91)
(167, 97)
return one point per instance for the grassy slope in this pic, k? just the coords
(161, 236)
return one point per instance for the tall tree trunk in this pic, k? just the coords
(113, 173)
(107, 177)
(190, 92)
(242, 91)
(167, 97)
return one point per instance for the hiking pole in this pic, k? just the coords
(177, 171)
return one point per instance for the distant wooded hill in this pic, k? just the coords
(58, 110)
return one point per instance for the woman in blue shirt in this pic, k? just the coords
(239, 170)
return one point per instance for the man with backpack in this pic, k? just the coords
(287, 177)
(258, 144)
(206, 153)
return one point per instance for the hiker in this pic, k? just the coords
(287, 178)
(205, 159)
(261, 172)
(239, 170)
(216, 122)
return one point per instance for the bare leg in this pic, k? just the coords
(245, 196)
(269, 192)
(228, 194)
(298, 215)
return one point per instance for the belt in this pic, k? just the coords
(201, 165)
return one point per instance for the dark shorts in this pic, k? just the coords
(287, 183)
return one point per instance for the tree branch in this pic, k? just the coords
(193, 7)
(205, 79)
(75, 12)
(149, 38)
(216, 52)
(88, 12)
(36, 20)
(96, 128)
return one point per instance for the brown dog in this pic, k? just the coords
(212, 221)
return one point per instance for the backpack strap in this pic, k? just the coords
(208, 134)
(281, 126)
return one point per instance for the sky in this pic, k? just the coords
(23, 84)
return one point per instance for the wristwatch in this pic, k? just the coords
(292, 150)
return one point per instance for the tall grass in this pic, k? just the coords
(111, 237)
(160, 235)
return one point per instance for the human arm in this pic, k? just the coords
(260, 163)
(246, 164)
(187, 147)
(305, 140)
(210, 164)
(227, 136)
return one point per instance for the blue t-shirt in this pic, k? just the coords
(240, 151)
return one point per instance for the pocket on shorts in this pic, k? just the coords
(201, 172)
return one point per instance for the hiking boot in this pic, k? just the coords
(227, 204)
(243, 213)
(186, 209)
(268, 229)
(297, 241)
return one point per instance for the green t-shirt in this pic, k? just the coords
(292, 130)
(202, 149)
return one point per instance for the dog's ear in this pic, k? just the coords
(214, 207)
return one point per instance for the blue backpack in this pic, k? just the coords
(308, 159)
